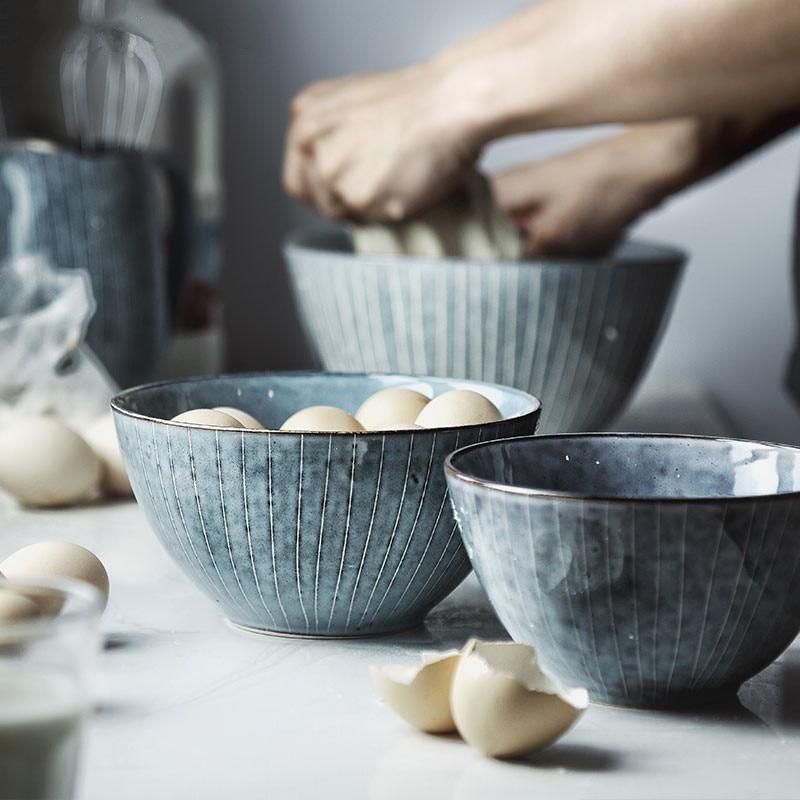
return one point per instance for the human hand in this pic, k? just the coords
(379, 146)
(581, 203)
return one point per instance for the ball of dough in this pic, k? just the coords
(208, 416)
(15, 607)
(45, 560)
(391, 409)
(323, 419)
(456, 408)
(102, 438)
(44, 463)
(242, 417)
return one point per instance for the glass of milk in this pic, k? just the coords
(45, 697)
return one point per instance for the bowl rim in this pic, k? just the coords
(454, 473)
(121, 396)
(654, 254)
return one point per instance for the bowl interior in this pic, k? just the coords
(631, 466)
(337, 240)
(272, 398)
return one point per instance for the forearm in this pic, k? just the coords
(579, 62)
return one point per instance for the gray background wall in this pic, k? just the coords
(733, 324)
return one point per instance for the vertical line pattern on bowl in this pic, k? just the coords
(369, 530)
(657, 507)
(435, 526)
(398, 316)
(734, 594)
(747, 593)
(248, 533)
(401, 560)
(297, 536)
(346, 530)
(181, 514)
(766, 582)
(190, 563)
(321, 530)
(635, 596)
(614, 633)
(709, 594)
(681, 593)
(565, 584)
(202, 521)
(225, 522)
(394, 531)
(272, 529)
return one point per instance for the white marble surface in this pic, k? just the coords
(188, 708)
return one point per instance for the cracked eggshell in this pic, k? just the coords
(242, 417)
(420, 695)
(505, 705)
(208, 416)
(56, 560)
(390, 409)
(101, 436)
(456, 408)
(322, 419)
(44, 463)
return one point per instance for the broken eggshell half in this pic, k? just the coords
(420, 694)
(505, 705)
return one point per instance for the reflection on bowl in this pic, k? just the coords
(304, 533)
(578, 334)
(653, 570)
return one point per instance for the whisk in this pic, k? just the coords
(111, 84)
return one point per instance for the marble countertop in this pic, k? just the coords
(188, 708)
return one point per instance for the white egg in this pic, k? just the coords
(15, 607)
(208, 416)
(245, 420)
(505, 705)
(102, 438)
(420, 695)
(391, 409)
(45, 463)
(45, 560)
(322, 419)
(456, 408)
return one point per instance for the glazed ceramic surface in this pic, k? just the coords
(304, 533)
(577, 334)
(652, 570)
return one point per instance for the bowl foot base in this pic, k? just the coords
(677, 701)
(402, 628)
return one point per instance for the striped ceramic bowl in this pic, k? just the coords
(577, 334)
(652, 570)
(304, 533)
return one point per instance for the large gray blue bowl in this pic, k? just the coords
(652, 570)
(576, 333)
(304, 533)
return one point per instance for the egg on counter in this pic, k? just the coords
(505, 705)
(101, 436)
(210, 417)
(456, 408)
(45, 560)
(420, 695)
(45, 463)
(391, 409)
(242, 417)
(322, 419)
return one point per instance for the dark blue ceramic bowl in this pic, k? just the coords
(304, 533)
(653, 570)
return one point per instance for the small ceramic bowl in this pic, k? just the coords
(304, 533)
(652, 570)
(577, 333)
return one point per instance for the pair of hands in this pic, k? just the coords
(386, 145)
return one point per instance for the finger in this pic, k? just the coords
(321, 194)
